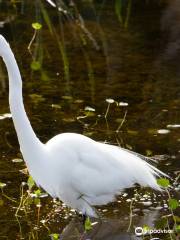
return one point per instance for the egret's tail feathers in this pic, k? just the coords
(157, 174)
(131, 168)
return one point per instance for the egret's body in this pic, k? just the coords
(76, 169)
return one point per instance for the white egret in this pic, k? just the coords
(74, 168)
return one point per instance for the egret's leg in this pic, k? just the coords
(84, 217)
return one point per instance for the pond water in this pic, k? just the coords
(73, 66)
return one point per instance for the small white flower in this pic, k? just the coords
(109, 100)
(163, 131)
(173, 126)
(123, 104)
(90, 109)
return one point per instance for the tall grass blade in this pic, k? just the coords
(118, 10)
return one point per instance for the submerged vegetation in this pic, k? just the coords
(32, 201)
(104, 69)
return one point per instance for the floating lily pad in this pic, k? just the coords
(173, 126)
(2, 185)
(35, 65)
(54, 236)
(163, 182)
(163, 131)
(36, 26)
(146, 228)
(67, 97)
(173, 203)
(17, 160)
(57, 106)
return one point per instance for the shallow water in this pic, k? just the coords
(136, 65)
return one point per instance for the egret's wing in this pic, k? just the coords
(95, 177)
(106, 170)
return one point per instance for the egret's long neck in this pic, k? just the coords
(26, 136)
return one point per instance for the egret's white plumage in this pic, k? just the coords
(78, 170)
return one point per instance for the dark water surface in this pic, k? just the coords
(137, 65)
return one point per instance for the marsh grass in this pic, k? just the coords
(2, 186)
(123, 12)
(173, 204)
(72, 16)
(31, 196)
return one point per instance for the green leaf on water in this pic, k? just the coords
(55, 236)
(161, 223)
(30, 182)
(29, 200)
(37, 201)
(173, 203)
(163, 182)
(2, 185)
(37, 192)
(178, 228)
(149, 153)
(35, 65)
(146, 228)
(88, 224)
(89, 114)
(36, 26)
